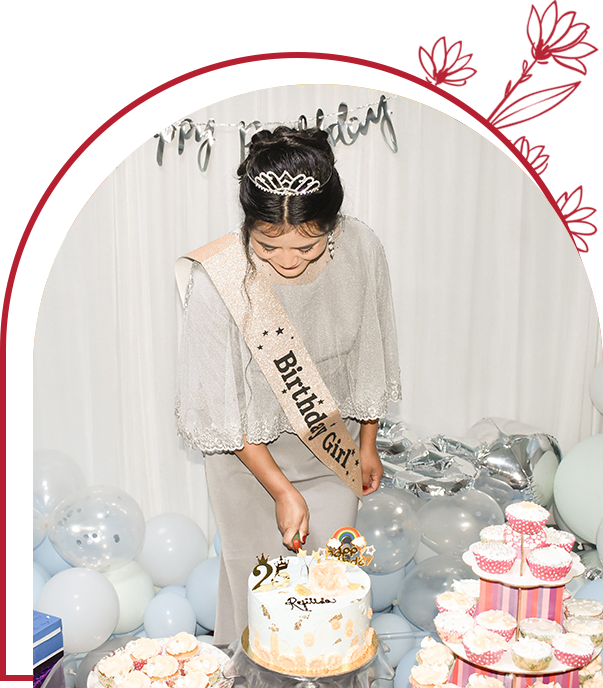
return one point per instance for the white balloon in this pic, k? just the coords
(135, 590)
(579, 486)
(173, 545)
(55, 477)
(596, 387)
(39, 528)
(86, 603)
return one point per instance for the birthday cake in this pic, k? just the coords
(310, 615)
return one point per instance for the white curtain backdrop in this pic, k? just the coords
(494, 311)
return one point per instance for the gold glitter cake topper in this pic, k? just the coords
(271, 573)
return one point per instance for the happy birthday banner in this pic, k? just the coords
(344, 130)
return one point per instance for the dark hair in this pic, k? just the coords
(304, 151)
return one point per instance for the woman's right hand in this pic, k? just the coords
(292, 515)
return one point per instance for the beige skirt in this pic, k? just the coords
(247, 524)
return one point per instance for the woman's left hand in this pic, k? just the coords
(370, 463)
(371, 467)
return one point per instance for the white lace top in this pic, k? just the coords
(345, 318)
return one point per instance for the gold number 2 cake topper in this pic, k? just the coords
(270, 572)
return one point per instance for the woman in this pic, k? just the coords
(333, 301)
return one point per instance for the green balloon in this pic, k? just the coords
(579, 488)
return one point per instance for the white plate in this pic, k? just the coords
(204, 648)
(506, 665)
(527, 580)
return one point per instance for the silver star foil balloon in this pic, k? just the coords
(506, 459)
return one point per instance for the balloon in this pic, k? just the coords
(178, 589)
(39, 528)
(202, 591)
(595, 387)
(593, 590)
(169, 614)
(388, 625)
(384, 588)
(135, 590)
(217, 543)
(42, 571)
(46, 555)
(416, 597)
(38, 583)
(450, 524)
(99, 527)
(55, 477)
(389, 524)
(498, 489)
(403, 669)
(579, 486)
(423, 552)
(86, 603)
(173, 545)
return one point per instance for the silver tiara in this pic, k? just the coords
(286, 185)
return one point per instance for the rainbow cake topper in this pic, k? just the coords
(349, 546)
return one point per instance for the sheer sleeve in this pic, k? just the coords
(215, 405)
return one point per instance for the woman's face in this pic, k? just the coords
(289, 253)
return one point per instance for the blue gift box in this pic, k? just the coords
(47, 642)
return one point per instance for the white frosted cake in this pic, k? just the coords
(310, 618)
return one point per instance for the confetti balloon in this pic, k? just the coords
(98, 527)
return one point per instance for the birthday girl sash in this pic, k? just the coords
(281, 355)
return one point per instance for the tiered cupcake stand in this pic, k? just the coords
(523, 596)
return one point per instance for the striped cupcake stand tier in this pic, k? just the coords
(523, 596)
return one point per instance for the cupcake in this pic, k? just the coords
(483, 681)
(530, 540)
(182, 646)
(204, 663)
(194, 679)
(596, 682)
(586, 625)
(142, 649)
(112, 667)
(560, 538)
(549, 563)
(498, 622)
(451, 601)
(483, 647)
(427, 675)
(539, 629)
(573, 650)
(526, 517)
(531, 655)
(591, 670)
(583, 607)
(451, 626)
(494, 557)
(468, 586)
(135, 679)
(494, 533)
(162, 668)
(432, 652)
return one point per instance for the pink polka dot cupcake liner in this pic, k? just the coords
(560, 538)
(526, 517)
(494, 557)
(541, 564)
(530, 540)
(572, 659)
(485, 658)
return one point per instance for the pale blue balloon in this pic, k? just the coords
(403, 669)
(40, 569)
(396, 633)
(419, 632)
(593, 590)
(38, 584)
(169, 614)
(51, 560)
(217, 543)
(178, 589)
(384, 588)
(202, 591)
(201, 630)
